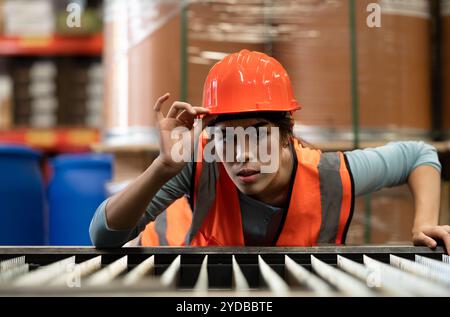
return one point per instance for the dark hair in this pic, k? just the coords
(281, 119)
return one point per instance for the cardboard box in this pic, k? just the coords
(393, 65)
(387, 216)
(142, 63)
(129, 161)
(445, 7)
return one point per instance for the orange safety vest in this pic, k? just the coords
(319, 212)
(170, 227)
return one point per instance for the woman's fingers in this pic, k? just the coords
(188, 117)
(159, 103)
(441, 233)
(446, 228)
(182, 111)
(179, 106)
(200, 111)
(423, 239)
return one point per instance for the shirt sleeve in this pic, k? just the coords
(389, 165)
(102, 236)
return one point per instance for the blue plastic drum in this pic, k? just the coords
(75, 191)
(22, 196)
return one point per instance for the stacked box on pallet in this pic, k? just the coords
(388, 215)
(35, 101)
(383, 217)
(6, 117)
(445, 10)
(28, 18)
(218, 28)
(313, 45)
(94, 102)
(42, 88)
(142, 62)
(392, 65)
(78, 88)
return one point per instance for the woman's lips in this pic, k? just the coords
(247, 176)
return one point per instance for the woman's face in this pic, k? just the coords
(250, 151)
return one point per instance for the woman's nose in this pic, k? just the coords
(245, 151)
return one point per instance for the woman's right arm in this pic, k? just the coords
(103, 236)
(124, 210)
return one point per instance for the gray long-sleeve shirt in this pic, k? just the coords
(372, 169)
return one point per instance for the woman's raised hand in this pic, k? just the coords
(181, 115)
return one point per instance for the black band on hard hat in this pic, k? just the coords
(267, 115)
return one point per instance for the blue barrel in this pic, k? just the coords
(22, 196)
(76, 189)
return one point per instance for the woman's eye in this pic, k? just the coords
(228, 138)
(221, 139)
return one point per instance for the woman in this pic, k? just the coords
(236, 194)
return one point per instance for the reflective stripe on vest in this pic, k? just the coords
(330, 196)
(171, 227)
(319, 208)
(161, 228)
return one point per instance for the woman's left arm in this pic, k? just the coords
(425, 185)
(415, 163)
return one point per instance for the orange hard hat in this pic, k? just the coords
(248, 82)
